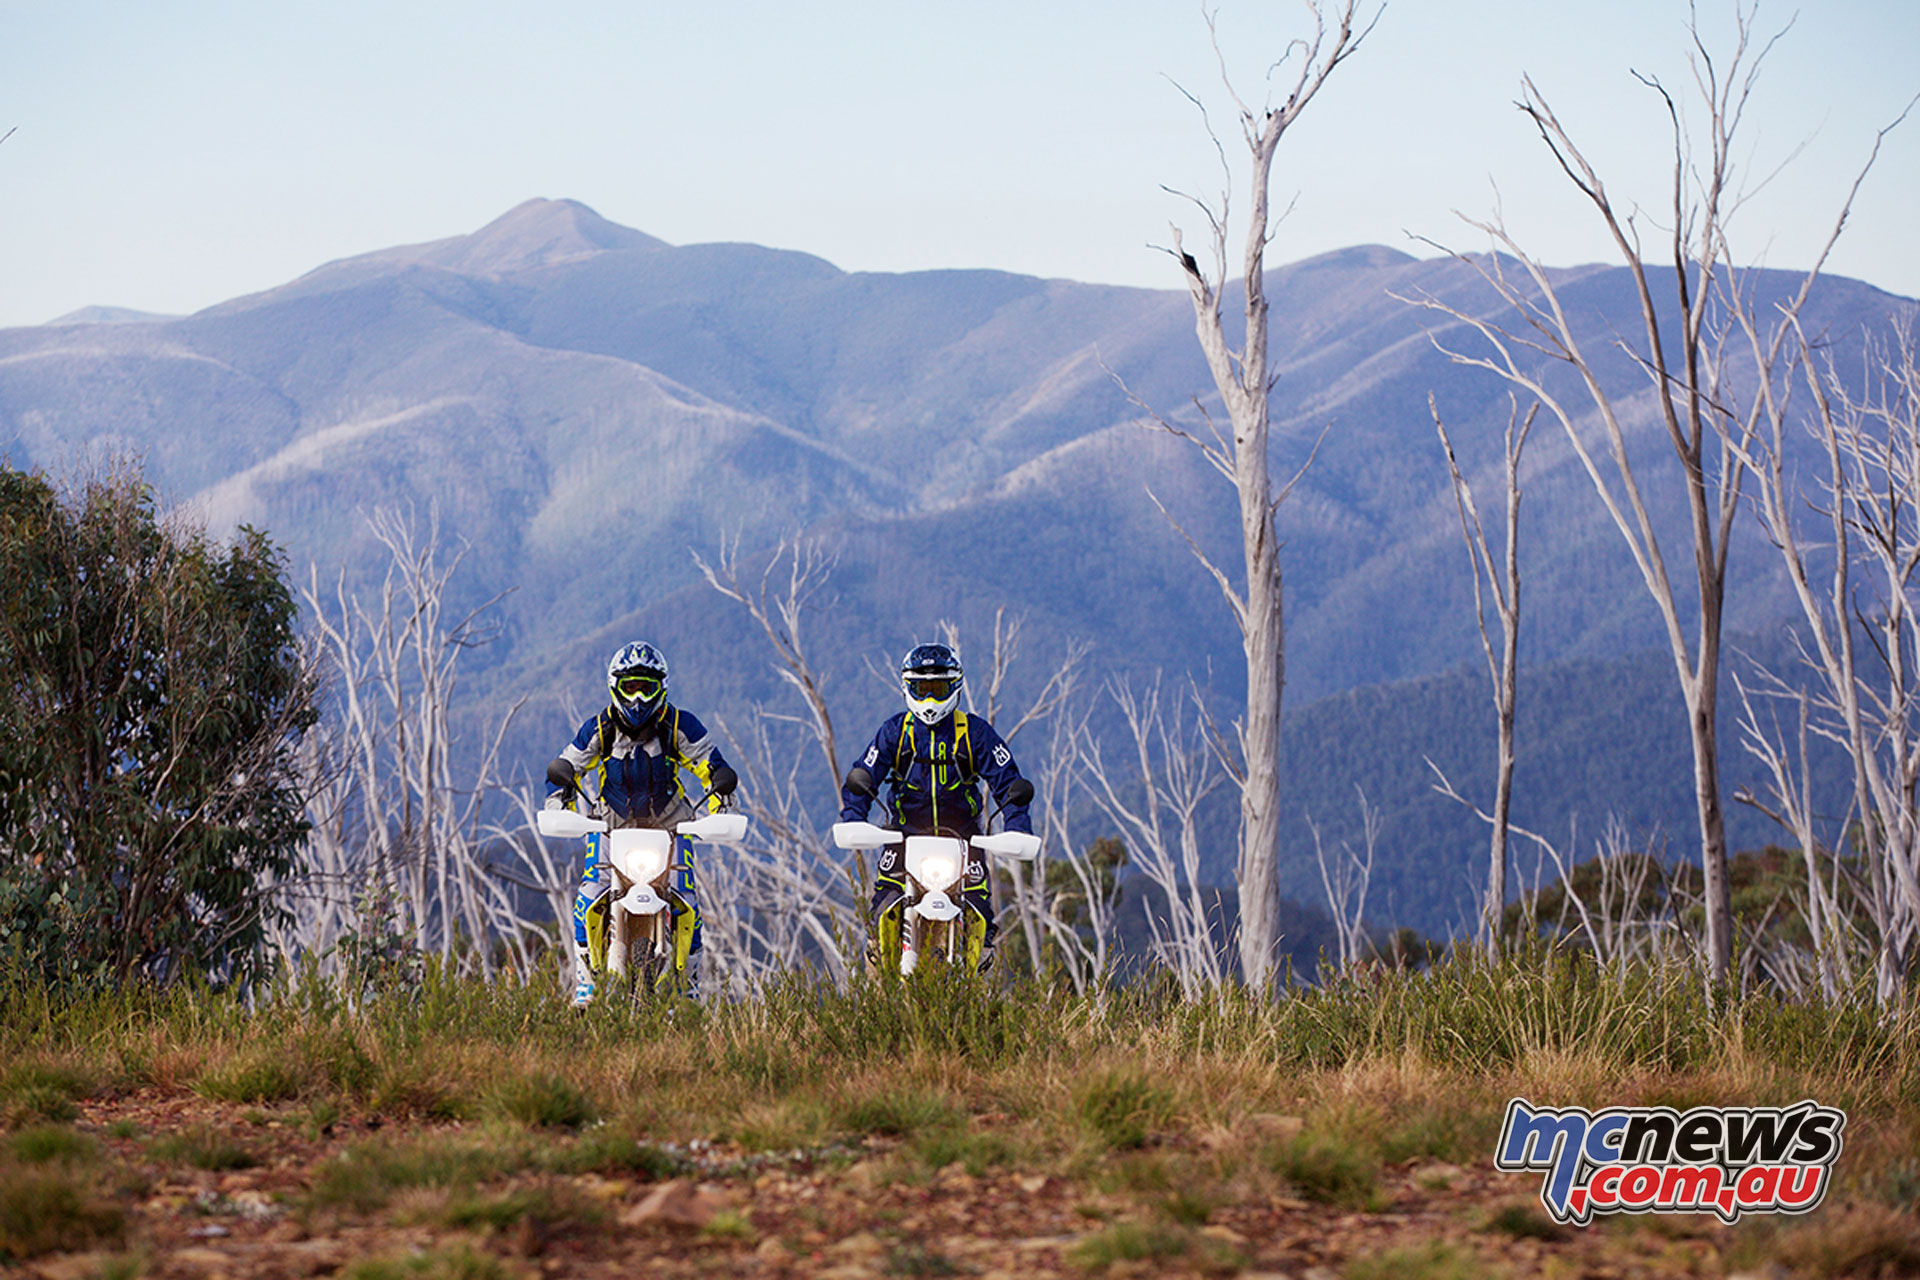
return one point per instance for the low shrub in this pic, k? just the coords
(606, 1150)
(976, 1152)
(1868, 1241)
(1328, 1169)
(1525, 1222)
(413, 1088)
(33, 1091)
(334, 1059)
(258, 1075)
(44, 1210)
(1131, 1242)
(1434, 1260)
(542, 1100)
(898, 1113)
(462, 1263)
(1123, 1106)
(44, 1144)
(203, 1147)
(367, 1175)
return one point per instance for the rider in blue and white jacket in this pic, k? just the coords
(624, 765)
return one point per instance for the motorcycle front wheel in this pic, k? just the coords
(650, 958)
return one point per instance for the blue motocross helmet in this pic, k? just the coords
(637, 680)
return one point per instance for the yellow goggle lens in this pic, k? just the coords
(645, 687)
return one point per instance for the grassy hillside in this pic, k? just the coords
(461, 1130)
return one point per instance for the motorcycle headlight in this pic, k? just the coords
(642, 854)
(937, 871)
(935, 861)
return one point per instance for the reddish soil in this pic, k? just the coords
(832, 1219)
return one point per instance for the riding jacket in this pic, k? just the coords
(635, 774)
(934, 770)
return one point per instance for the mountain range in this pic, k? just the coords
(584, 407)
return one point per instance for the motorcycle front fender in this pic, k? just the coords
(935, 906)
(641, 900)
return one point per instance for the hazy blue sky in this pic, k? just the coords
(168, 156)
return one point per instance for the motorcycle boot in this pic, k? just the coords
(590, 910)
(979, 943)
(887, 938)
(583, 986)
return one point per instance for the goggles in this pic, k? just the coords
(639, 688)
(935, 687)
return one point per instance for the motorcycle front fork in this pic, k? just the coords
(654, 947)
(910, 939)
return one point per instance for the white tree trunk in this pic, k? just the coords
(1242, 380)
(1709, 410)
(1504, 672)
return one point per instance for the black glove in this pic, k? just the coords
(723, 780)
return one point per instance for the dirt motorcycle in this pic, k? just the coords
(934, 920)
(640, 939)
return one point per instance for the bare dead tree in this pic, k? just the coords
(1839, 952)
(1870, 448)
(1156, 805)
(1616, 921)
(1346, 881)
(780, 608)
(1241, 376)
(780, 898)
(1862, 643)
(1703, 402)
(399, 841)
(1502, 586)
(780, 901)
(1611, 917)
(1080, 918)
(1065, 904)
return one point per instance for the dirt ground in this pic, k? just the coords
(838, 1215)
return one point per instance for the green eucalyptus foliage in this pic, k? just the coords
(151, 697)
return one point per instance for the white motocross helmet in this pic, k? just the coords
(637, 680)
(931, 678)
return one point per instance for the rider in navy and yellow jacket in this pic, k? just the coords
(933, 756)
(624, 765)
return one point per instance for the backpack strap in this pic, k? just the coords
(670, 748)
(656, 728)
(962, 745)
(961, 742)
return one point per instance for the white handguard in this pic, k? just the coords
(1017, 845)
(716, 828)
(565, 824)
(862, 835)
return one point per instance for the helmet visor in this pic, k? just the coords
(639, 688)
(931, 688)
